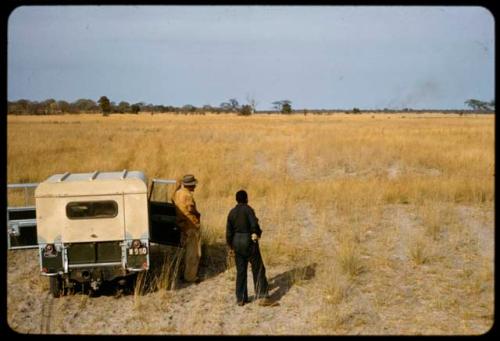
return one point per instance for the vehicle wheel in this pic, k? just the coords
(55, 285)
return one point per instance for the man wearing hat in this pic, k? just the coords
(188, 220)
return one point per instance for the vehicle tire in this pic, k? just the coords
(55, 286)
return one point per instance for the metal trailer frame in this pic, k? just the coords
(14, 226)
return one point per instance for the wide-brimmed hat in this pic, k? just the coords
(189, 180)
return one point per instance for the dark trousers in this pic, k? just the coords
(258, 272)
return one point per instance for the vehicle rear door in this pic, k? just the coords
(162, 220)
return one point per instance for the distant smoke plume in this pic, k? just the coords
(422, 95)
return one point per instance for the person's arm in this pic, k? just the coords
(194, 210)
(254, 222)
(229, 232)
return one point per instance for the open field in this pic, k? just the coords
(372, 224)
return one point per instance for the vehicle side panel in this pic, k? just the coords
(50, 221)
(136, 216)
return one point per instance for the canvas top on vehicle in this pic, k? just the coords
(98, 206)
(96, 183)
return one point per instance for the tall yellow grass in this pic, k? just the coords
(320, 158)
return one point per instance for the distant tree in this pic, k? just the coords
(123, 107)
(86, 105)
(53, 108)
(277, 105)
(283, 106)
(135, 108)
(286, 108)
(356, 111)
(225, 106)
(72, 108)
(208, 108)
(234, 104)
(23, 105)
(476, 104)
(18, 107)
(189, 108)
(147, 107)
(105, 105)
(114, 107)
(63, 106)
(473, 103)
(47, 106)
(12, 108)
(160, 108)
(141, 105)
(39, 108)
(246, 110)
(231, 105)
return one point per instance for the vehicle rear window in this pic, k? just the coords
(92, 209)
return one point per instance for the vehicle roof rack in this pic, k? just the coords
(94, 175)
(64, 176)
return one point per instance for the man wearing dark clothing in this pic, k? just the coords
(242, 234)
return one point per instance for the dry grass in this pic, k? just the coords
(419, 252)
(376, 201)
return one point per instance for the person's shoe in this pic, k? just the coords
(241, 303)
(265, 302)
(194, 280)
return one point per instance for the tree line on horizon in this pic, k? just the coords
(104, 106)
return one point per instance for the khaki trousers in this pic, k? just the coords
(191, 241)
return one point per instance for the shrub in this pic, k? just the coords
(246, 110)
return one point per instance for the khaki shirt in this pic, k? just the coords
(185, 209)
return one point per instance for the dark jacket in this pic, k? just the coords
(241, 223)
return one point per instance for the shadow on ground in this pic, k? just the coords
(166, 266)
(213, 260)
(284, 281)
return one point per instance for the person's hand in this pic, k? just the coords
(254, 237)
(231, 252)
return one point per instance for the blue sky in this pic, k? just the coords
(316, 56)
